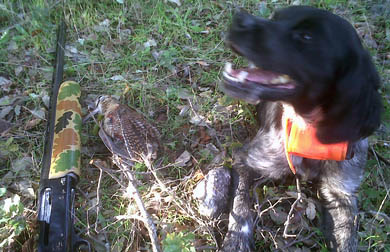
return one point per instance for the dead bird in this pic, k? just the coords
(126, 132)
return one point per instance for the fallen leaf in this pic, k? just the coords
(212, 148)
(38, 113)
(5, 111)
(69, 50)
(4, 126)
(117, 78)
(46, 100)
(278, 215)
(105, 22)
(24, 186)
(12, 46)
(156, 55)
(32, 123)
(22, 166)
(5, 84)
(17, 110)
(177, 2)
(21, 169)
(202, 63)
(206, 94)
(6, 100)
(311, 211)
(150, 43)
(204, 137)
(108, 52)
(184, 110)
(183, 159)
(198, 176)
(184, 94)
(125, 34)
(198, 120)
(18, 70)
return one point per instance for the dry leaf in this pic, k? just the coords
(202, 63)
(204, 137)
(177, 2)
(4, 126)
(5, 84)
(117, 78)
(32, 123)
(278, 215)
(311, 211)
(150, 43)
(183, 159)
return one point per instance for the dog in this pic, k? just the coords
(311, 75)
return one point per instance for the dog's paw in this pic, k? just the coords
(212, 193)
(238, 241)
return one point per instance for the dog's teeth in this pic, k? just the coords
(251, 65)
(242, 76)
(229, 77)
(283, 79)
(228, 67)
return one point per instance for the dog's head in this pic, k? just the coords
(311, 59)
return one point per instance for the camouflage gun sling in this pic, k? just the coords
(61, 163)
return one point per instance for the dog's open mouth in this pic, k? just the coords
(257, 76)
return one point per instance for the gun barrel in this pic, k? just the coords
(61, 163)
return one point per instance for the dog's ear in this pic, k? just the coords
(354, 109)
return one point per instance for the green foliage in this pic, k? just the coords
(12, 222)
(179, 242)
(2, 191)
(8, 148)
(187, 55)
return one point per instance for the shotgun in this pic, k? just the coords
(61, 162)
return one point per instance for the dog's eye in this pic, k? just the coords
(306, 36)
(303, 36)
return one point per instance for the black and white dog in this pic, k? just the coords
(310, 70)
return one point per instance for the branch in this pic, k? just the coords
(147, 219)
(287, 223)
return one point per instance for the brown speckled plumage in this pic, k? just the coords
(131, 135)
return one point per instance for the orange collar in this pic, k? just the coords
(304, 143)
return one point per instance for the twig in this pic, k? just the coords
(149, 224)
(297, 241)
(383, 215)
(383, 181)
(150, 167)
(287, 223)
(98, 199)
(132, 216)
(132, 184)
(98, 164)
(379, 156)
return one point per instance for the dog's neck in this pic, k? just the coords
(302, 120)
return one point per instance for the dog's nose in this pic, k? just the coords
(244, 21)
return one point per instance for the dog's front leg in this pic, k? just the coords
(340, 219)
(239, 237)
(338, 191)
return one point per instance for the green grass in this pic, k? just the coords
(107, 39)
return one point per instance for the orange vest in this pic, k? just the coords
(304, 143)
